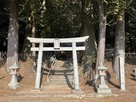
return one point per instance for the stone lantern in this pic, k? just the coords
(14, 83)
(102, 87)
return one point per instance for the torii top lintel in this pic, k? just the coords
(57, 42)
(62, 40)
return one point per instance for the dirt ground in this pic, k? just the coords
(27, 82)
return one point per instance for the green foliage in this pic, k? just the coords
(92, 58)
(4, 10)
(112, 7)
(130, 20)
(88, 67)
(63, 18)
(105, 1)
(122, 4)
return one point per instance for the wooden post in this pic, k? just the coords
(39, 63)
(76, 79)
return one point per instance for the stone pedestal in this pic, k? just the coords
(13, 83)
(102, 87)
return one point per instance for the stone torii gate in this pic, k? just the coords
(57, 47)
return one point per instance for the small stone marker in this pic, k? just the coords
(102, 87)
(13, 83)
(122, 73)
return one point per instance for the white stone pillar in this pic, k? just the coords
(76, 79)
(122, 73)
(39, 64)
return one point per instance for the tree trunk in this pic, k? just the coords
(87, 29)
(90, 52)
(12, 51)
(33, 44)
(102, 34)
(119, 42)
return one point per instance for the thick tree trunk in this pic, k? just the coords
(102, 34)
(87, 29)
(12, 52)
(119, 42)
(90, 52)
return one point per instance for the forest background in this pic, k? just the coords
(110, 24)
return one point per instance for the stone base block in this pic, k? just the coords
(36, 90)
(103, 90)
(13, 86)
(76, 91)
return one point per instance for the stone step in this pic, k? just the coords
(59, 91)
(61, 76)
(61, 79)
(41, 100)
(69, 97)
(59, 83)
(56, 86)
(53, 72)
(64, 84)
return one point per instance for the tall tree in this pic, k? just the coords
(87, 29)
(119, 37)
(12, 53)
(102, 33)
